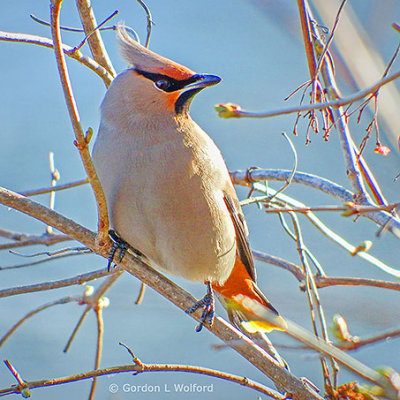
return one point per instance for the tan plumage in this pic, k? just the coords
(168, 189)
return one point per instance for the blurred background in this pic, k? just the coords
(256, 47)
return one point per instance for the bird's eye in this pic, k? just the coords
(163, 84)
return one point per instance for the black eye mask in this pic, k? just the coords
(165, 82)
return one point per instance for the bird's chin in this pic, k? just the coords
(199, 82)
(184, 100)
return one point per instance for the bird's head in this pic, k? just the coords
(155, 82)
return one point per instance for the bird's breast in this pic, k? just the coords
(166, 199)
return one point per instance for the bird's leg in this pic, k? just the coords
(118, 243)
(208, 305)
(122, 246)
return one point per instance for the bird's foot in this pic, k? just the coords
(207, 303)
(118, 244)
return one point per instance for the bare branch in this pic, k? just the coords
(81, 141)
(354, 345)
(68, 50)
(246, 178)
(92, 303)
(100, 27)
(45, 239)
(99, 348)
(149, 21)
(96, 44)
(69, 185)
(39, 287)
(50, 257)
(37, 310)
(323, 281)
(137, 267)
(349, 209)
(301, 5)
(352, 250)
(142, 291)
(226, 112)
(356, 167)
(140, 368)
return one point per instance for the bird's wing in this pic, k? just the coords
(243, 247)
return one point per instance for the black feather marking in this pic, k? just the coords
(174, 84)
(241, 237)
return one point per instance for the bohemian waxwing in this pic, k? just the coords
(168, 189)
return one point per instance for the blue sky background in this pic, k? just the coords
(260, 57)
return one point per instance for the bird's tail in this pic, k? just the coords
(238, 294)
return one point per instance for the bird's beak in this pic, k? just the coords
(201, 81)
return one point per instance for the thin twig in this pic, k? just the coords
(305, 29)
(92, 303)
(313, 299)
(146, 368)
(355, 345)
(44, 239)
(351, 209)
(39, 287)
(390, 389)
(97, 28)
(247, 178)
(269, 198)
(56, 188)
(76, 55)
(81, 141)
(329, 41)
(79, 30)
(79, 250)
(15, 373)
(354, 171)
(37, 310)
(279, 262)
(99, 348)
(352, 250)
(47, 259)
(96, 44)
(55, 176)
(305, 249)
(342, 101)
(323, 281)
(149, 21)
(142, 291)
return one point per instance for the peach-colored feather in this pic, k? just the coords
(142, 58)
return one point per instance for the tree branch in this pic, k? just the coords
(92, 303)
(96, 44)
(29, 240)
(81, 141)
(39, 287)
(137, 267)
(225, 111)
(323, 281)
(35, 192)
(140, 368)
(246, 178)
(37, 310)
(68, 50)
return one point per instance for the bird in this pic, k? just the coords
(168, 190)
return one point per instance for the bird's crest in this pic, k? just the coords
(146, 60)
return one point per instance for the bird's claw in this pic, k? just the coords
(118, 243)
(207, 303)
